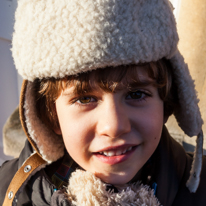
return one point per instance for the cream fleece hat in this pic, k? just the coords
(55, 38)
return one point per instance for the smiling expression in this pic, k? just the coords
(112, 134)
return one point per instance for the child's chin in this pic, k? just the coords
(115, 179)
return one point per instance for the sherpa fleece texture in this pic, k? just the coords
(87, 190)
(66, 37)
(187, 113)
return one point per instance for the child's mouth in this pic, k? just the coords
(115, 156)
(112, 153)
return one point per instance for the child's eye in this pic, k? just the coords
(137, 95)
(85, 100)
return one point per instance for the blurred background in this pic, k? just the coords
(9, 80)
(191, 21)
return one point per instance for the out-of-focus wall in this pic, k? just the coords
(192, 31)
(9, 90)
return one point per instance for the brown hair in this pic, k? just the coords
(48, 90)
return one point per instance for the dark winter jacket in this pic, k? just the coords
(171, 163)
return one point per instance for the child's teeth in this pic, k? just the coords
(110, 153)
(129, 149)
(124, 151)
(119, 152)
(115, 153)
(104, 153)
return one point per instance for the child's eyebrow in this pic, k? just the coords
(74, 91)
(135, 84)
(145, 82)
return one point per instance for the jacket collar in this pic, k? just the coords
(170, 167)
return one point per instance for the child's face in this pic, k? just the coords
(112, 134)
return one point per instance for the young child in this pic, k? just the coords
(101, 79)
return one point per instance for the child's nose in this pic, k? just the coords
(113, 121)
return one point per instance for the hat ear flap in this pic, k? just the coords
(188, 116)
(187, 113)
(194, 179)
